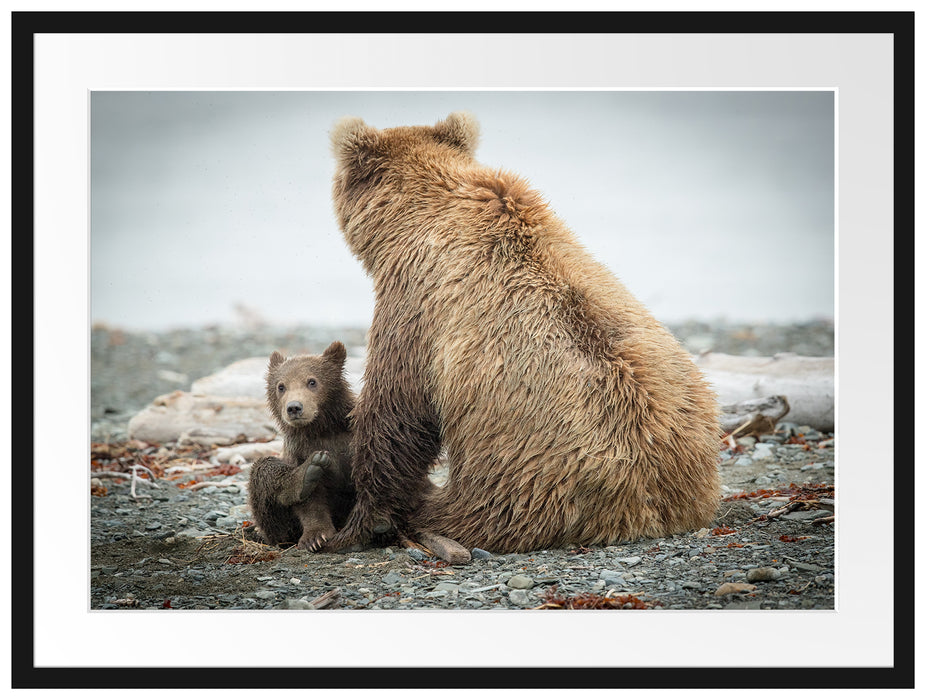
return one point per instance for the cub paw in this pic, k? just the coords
(311, 477)
(314, 540)
(321, 459)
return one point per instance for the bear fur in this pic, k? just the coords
(569, 415)
(305, 495)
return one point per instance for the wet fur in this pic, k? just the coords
(329, 402)
(569, 414)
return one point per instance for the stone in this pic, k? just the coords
(804, 515)
(612, 578)
(480, 553)
(630, 561)
(240, 512)
(520, 581)
(731, 588)
(763, 450)
(763, 573)
(521, 598)
(814, 466)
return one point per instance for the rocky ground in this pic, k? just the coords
(181, 541)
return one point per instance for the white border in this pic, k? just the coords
(859, 66)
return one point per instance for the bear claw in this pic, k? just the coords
(313, 543)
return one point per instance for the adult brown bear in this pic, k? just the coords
(568, 413)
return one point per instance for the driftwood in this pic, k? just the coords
(753, 416)
(331, 599)
(229, 407)
(807, 383)
(133, 476)
(204, 420)
(225, 408)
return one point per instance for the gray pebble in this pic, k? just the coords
(521, 598)
(763, 573)
(771, 439)
(630, 561)
(392, 578)
(226, 521)
(213, 515)
(153, 526)
(804, 515)
(480, 553)
(416, 554)
(521, 582)
(447, 586)
(265, 595)
(763, 451)
(612, 578)
(813, 466)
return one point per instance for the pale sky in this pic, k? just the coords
(707, 205)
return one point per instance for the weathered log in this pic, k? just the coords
(205, 420)
(229, 407)
(808, 383)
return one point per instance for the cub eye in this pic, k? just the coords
(311, 382)
(281, 387)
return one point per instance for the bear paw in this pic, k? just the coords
(321, 459)
(314, 540)
(304, 480)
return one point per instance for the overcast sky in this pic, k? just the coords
(707, 205)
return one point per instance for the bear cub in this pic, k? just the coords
(305, 495)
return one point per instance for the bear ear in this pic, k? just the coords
(459, 129)
(276, 359)
(336, 352)
(351, 137)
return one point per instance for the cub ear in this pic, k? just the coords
(336, 352)
(276, 359)
(459, 129)
(351, 137)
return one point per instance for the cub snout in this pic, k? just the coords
(299, 411)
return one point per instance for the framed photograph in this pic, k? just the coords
(175, 171)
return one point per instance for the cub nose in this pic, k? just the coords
(294, 409)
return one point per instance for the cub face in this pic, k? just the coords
(298, 388)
